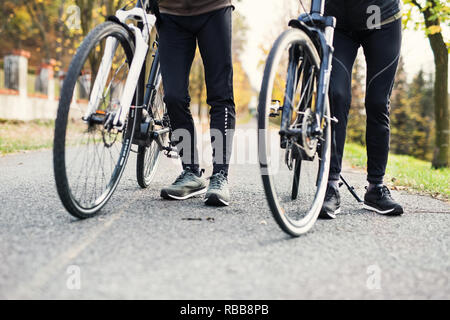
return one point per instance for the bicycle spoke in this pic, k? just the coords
(291, 160)
(94, 149)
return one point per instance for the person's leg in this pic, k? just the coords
(177, 46)
(382, 52)
(214, 39)
(340, 95)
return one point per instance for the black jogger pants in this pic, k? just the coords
(382, 53)
(178, 38)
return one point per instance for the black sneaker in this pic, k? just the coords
(380, 200)
(332, 204)
(186, 186)
(218, 194)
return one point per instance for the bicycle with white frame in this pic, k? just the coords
(118, 106)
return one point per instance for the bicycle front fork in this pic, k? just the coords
(140, 54)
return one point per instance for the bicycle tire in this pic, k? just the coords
(72, 205)
(292, 228)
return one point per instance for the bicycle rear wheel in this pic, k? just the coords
(90, 153)
(294, 167)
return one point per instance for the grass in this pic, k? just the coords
(406, 173)
(19, 136)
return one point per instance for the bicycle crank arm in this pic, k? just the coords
(170, 152)
(289, 133)
(157, 136)
(171, 155)
(332, 119)
(159, 133)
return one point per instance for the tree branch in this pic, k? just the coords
(416, 4)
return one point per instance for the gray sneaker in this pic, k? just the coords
(218, 194)
(187, 185)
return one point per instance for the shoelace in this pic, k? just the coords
(218, 180)
(385, 192)
(183, 176)
(186, 173)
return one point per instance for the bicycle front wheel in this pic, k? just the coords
(90, 152)
(294, 167)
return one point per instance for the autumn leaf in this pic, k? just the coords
(434, 29)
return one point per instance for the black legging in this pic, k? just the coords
(178, 37)
(382, 52)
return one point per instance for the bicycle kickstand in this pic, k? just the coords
(351, 189)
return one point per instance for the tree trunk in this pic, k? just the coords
(441, 152)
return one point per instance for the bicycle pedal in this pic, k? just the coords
(275, 109)
(172, 155)
(332, 119)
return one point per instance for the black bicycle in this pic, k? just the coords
(295, 122)
(106, 107)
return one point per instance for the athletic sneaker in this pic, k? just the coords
(218, 193)
(332, 204)
(186, 186)
(379, 199)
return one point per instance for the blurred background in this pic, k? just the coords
(39, 37)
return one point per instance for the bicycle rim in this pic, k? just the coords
(294, 176)
(89, 155)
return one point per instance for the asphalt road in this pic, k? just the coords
(142, 247)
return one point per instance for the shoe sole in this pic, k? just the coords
(329, 215)
(390, 212)
(168, 196)
(215, 201)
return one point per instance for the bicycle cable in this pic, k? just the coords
(145, 17)
(307, 12)
(127, 4)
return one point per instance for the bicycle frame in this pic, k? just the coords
(321, 30)
(147, 22)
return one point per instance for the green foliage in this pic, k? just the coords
(412, 117)
(42, 26)
(435, 14)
